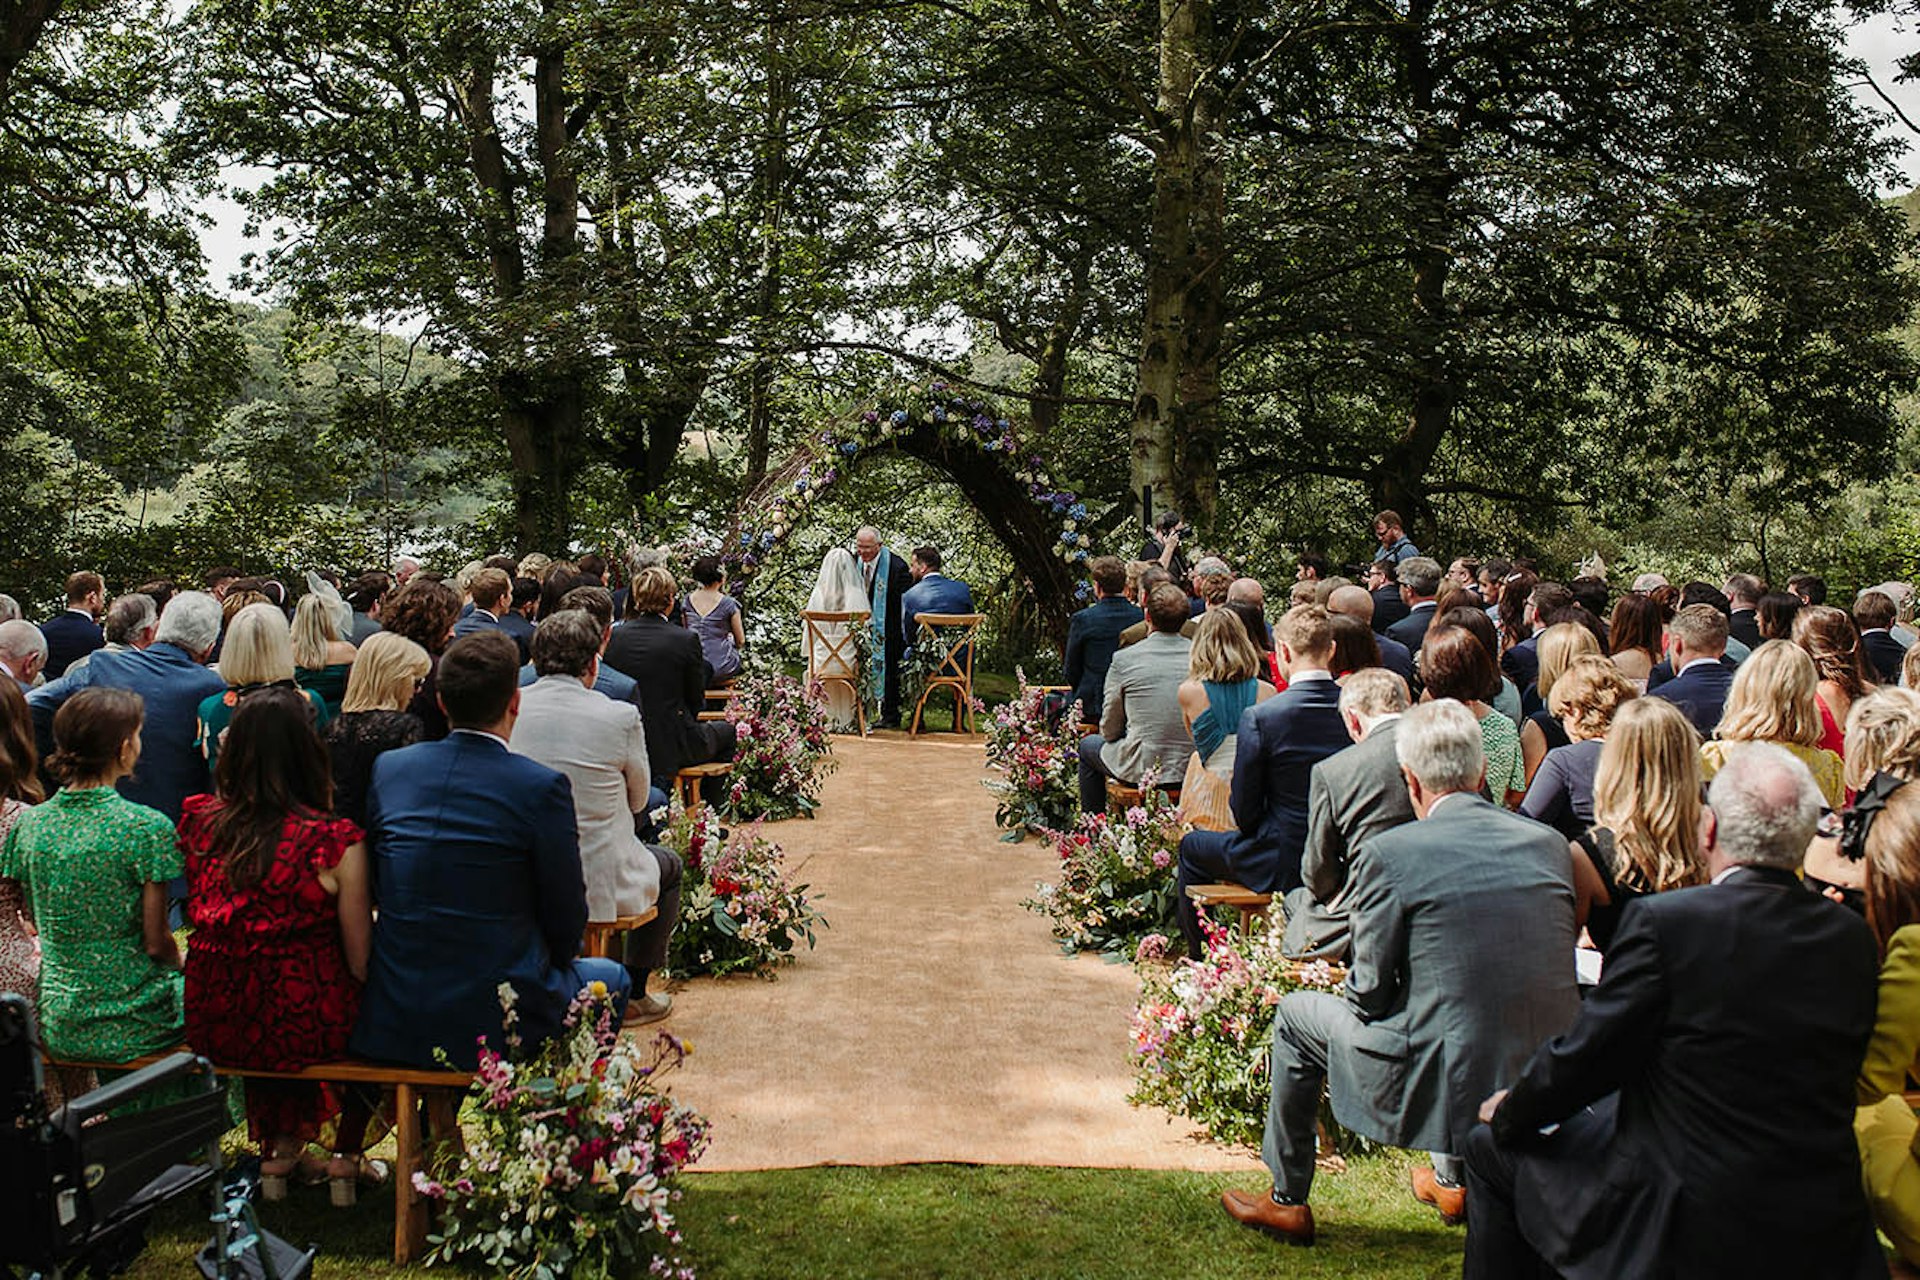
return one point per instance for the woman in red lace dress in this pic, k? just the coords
(283, 923)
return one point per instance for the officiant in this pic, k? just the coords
(887, 578)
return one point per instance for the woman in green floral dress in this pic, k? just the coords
(95, 868)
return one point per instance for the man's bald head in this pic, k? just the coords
(1354, 602)
(1247, 591)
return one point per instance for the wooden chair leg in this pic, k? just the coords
(409, 1206)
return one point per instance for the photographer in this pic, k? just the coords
(1163, 544)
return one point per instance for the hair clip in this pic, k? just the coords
(1858, 820)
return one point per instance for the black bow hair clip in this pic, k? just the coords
(1867, 805)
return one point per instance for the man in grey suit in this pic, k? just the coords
(1461, 962)
(1141, 728)
(1354, 796)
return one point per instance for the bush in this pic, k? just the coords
(1117, 881)
(738, 914)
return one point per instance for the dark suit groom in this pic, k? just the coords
(888, 580)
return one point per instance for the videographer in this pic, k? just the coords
(1163, 544)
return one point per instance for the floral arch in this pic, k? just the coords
(970, 441)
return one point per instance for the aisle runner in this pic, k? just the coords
(937, 1021)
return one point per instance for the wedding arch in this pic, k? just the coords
(1043, 525)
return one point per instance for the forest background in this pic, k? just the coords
(1554, 278)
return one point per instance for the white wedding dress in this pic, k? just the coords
(839, 589)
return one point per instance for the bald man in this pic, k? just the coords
(1357, 602)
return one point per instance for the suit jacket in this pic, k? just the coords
(1397, 658)
(477, 619)
(172, 685)
(1140, 630)
(1388, 608)
(364, 629)
(1412, 629)
(1883, 651)
(617, 685)
(1718, 1004)
(516, 625)
(601, 746)
(1279, 743)
(1744, 626)
(1140, 718)
(1521, 663)
(71, 635)
(1461, 963)
(935, 593)
(1700, 692)
(476, 870)
(1093, 637)
(1353, 796)
(669, 670)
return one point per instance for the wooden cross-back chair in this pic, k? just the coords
(839, 653)
(952, 635)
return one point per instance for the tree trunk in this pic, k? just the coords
(542, 419)
(1056, 346)
(770, 195)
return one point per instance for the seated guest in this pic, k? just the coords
(1645, 836)
(1884, 1124)
(424, 611)
(1883, 736)
(1811, 588)
(1389, 605)
(1585, 698)
(601, 746)
(373, 717)
(9, 609)
(1637, 635)
(1353, 796)
(1419, 584)
(1461, 961)
(366, 595)
(1774, 615)
(172, 684)
(1521, 660)
(1698, 593)
(282, 923)
(1696, 642)
(1150, 577)
(1355, 602)
(1280, 741)
(1873, 615)
(322, 655)
(75, 632)
(490, 591)
(1506, 698)
(1558, 647)
(476, 867)
(714, 616)
(1629, 1145)
(257, 655)
(1223, 681)
(1455, 665)
(523, 603)
(1093, 636)
(95, 867)
(1254, 619)
(598, 602)
(23, 653)
(1829, 637)
(1142, 730)
(666, 663)
(19, 787)
(1212, 579)
(1772, 700)
(1355, 647)
(131, 622)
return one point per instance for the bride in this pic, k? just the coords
(839, 589)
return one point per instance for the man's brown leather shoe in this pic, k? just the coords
(1450, 1201)
(1292, 1223)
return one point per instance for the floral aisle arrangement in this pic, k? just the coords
(1037, 760)
(571, 1155)
(785, 748)
(1202, 1029)
(738, 913)
(1117, 880)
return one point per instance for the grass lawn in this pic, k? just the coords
(932, 1221)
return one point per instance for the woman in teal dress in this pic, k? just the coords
(95, 867)
(256, 654)
(322, 658)
(1223, 681)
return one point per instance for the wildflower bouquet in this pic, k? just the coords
(1117, 880)
(1202, 1029)
(738, 914)
(785, 748)
(569, 1169)
(1038, 763)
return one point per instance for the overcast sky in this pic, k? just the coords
(1879, 43)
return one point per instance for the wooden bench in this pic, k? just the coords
(425, 1103)
(1122, 796)
(712, 715)
(599, 937)
(1248, 903)
(687, 781)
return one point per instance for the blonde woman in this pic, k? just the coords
(1773, 700)
(256, 654)
(1585, 699)
(1223, 680)
(374, 716)
(1645, 836)
(321, 655)
(1883, 736)
(1542, 732)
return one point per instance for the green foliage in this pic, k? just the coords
(1117, 882)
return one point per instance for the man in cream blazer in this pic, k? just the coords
(601, 746)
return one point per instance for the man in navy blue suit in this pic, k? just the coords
(75, 633)
(1873, 614)
(932, 591)
(1419, 582)
(476, 867)
(1696, 641)
(1093, 637)
(1279, 742)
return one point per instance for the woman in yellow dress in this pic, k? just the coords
(1885, 1125)
(1773, 699)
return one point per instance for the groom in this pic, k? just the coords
(887, 579)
